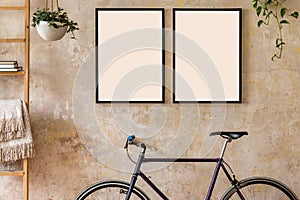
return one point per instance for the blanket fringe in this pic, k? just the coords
(16, 152)
(15, 131)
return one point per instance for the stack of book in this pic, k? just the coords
(9, 66)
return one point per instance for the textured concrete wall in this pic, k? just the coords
(78, 143)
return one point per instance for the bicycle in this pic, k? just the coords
(258, 188)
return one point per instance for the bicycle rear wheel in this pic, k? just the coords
(260, 188)
(111, 190)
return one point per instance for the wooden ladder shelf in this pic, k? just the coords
(25, 72)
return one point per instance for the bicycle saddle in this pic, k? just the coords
(231, 134)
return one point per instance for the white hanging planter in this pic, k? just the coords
(50, 33)
(41, 17)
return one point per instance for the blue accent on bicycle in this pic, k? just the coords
(130, 138)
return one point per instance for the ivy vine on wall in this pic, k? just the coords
(275, 10)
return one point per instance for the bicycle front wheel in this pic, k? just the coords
(111, 190)
(260, 188)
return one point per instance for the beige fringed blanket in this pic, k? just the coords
(15, 131)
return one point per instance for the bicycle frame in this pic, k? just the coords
(141, 159)
(237, 189)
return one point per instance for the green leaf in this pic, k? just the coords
(268, 2)
(260, 22)
(254, 3)
(295, 15)
(55, 25)
(283, 11)
(284, 22)
(258, 10)
(279, 42)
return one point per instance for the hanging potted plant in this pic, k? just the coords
(276, 10)
(53, 24)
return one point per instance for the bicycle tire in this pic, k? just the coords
(260, 188)
(111, 190)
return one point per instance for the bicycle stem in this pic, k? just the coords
(142, 146)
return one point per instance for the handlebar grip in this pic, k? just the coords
(130, 138)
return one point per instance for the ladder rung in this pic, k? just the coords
(11, 173)
(12, 8)
(13, 40)
(20, 73)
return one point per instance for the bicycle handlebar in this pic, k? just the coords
(131, 138)
(130, 141)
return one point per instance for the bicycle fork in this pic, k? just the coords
(134, 176)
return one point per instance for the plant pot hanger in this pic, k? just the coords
(52, 24)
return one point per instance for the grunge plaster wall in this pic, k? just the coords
(64, 164)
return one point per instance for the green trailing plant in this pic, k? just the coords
(55, 19)
(275, 9)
